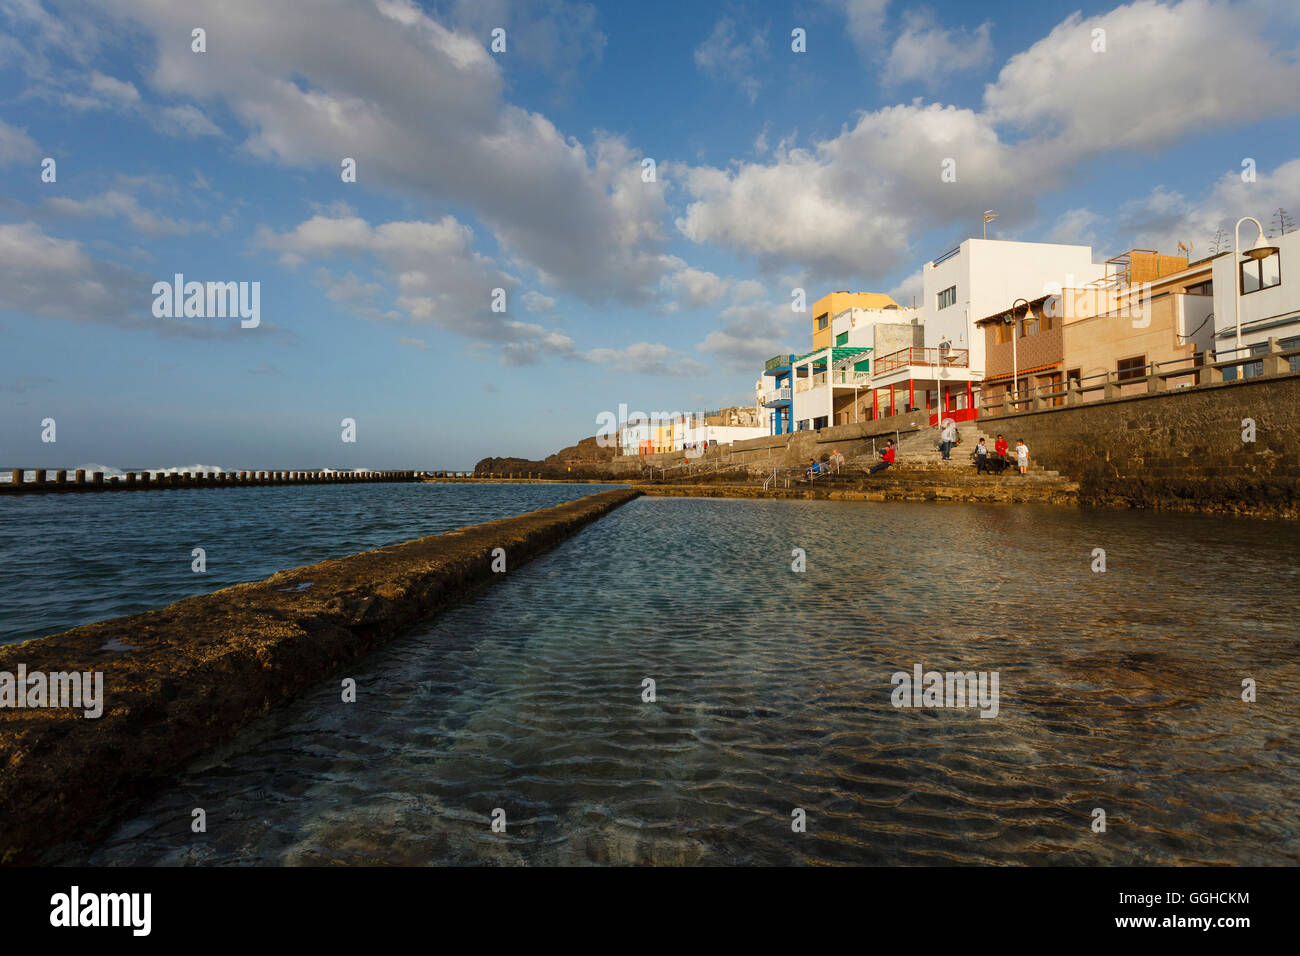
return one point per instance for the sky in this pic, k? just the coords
(525, 170)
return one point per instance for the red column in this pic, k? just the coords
(911, 393)
(970, 399)
(875, 403)
(891, 399)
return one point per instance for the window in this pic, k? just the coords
(1257, 274)
(1074, 375)
(823, 320)
(1131, 368)
(820, 423)
(1201, 288)
(1044, 323)
(948, 297)
(842, 338)
(1004, 333)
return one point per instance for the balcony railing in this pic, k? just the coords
(935, 358)
(1204, 369)
(776, 395)
(776, 360)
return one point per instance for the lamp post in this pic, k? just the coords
(1015, 370)
(1260, 250)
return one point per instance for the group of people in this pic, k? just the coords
(834, 462)
(997, 460)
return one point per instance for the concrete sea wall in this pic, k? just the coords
(1186, 449)
(45, 481)
(183, 678)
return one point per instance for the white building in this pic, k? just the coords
(982, 276)
(1269, 298)
(829, 383)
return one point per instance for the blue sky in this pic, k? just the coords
(522, 170)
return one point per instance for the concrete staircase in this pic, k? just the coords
(919, 472)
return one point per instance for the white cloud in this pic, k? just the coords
(726, 55)
(646, 358)
(926, 53)
(693, 288)
(1163, 218)
(53, 278)
(15, 145)
(753, 331)
(1192, 65)
(866, 24)
(115, 203)
(421, 107)
(186, 121)
(536, 302)
(1076, 227)
(849, 208)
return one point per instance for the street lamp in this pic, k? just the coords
(1260, 250)
(1010, 320)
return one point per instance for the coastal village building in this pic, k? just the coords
(1139, 313)
(1150, 312)
(834, 303)
(833, 385)
(1043, 310)
(657, 434)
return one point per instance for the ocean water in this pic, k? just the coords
(1119, 691)
(71, 559)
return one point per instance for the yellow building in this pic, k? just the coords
(831, 304)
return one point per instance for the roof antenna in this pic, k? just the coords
(989, 216)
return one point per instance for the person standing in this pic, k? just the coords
(981, 457)
(948, 437)
(1022, 455)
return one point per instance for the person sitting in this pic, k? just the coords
(886, 458)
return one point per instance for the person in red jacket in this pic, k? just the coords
(1000, 460)
(886, 458)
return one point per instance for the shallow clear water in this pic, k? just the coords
(1119, 690)
(71, 559)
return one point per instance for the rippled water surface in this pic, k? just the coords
(1119, 690)
(71, 559)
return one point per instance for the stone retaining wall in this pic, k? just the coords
(1181, 449)
(188, 676)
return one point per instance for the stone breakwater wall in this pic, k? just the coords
(183, 678)
(45, 482)
(1230, 448)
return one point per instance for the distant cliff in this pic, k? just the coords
(586, 459)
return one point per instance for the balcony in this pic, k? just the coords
(933, 358)
(776, 361)
(775, 396)
(812, 381)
